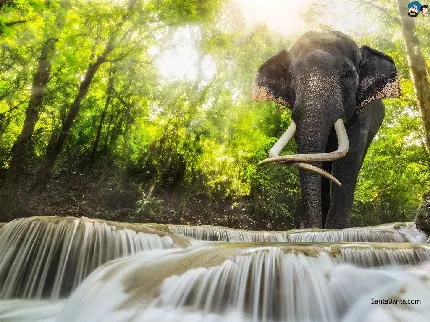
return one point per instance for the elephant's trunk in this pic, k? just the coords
(311, 138)
(310, 184)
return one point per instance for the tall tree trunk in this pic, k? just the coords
(109, 91)
(417, 66)
(21, 150)
(23, 147)
(55, 150)
(115, 131)
(105, 147)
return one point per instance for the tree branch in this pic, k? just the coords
(16, 22)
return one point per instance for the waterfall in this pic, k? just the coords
(257, 283)
(386, 234)
(382, 254)
(48, 257)
(152, 272)
(243, 283)
(408, 228)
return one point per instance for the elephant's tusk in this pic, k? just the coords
(311, 168)
(342, 150)
(342, 137)
(283, 141)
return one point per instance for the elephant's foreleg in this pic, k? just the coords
(325, 192)
(361, 129)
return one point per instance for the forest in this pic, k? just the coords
(140, 110)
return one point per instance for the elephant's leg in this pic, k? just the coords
(361, 130)
(326, 183)
(325, 192)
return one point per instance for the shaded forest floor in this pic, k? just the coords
(112, 195)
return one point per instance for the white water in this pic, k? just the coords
(30, 310)
(40, 257)
(253, 284)
(369, 255)
(381, 234)
(235, 282)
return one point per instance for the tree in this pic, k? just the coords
(109, 94)
(55, 149)
(171, 12)
(418, 67)
(22, 149)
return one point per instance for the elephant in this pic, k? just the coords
(334, 90)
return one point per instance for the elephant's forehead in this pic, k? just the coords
(316, 78)
(335, 43)
(317, 86)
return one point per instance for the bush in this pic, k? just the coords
(150, 207)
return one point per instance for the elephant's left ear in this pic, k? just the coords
(378, 77)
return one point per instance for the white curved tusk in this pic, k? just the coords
(342, 150)
(283, 141)
(342, 137)
(321, 172)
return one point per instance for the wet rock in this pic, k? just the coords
(423, 215)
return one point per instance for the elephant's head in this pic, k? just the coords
(325, 78)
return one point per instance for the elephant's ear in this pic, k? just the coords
(272, 81)
(378, 77)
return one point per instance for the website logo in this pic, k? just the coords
(415, 8)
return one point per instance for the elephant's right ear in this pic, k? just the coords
(272, 81)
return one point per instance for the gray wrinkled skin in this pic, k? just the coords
(324, 77)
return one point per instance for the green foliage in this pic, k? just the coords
(149, 207)
(18, 12)
(275, 195)
(177, 11)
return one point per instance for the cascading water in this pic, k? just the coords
(49, 257)
(30, 310)
(299, 275)
(239, 283)
(382, 234)
(408, 228)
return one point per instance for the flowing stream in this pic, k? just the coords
(78, 269)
